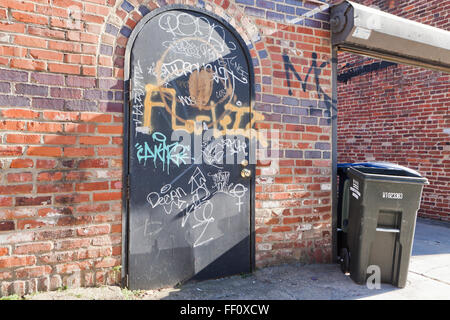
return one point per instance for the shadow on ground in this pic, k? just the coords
(428, 278)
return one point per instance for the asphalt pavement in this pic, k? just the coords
(428, 278)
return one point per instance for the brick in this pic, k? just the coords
(7, 225)
(46, 55)
(61, 116)
(93, 230)
(10, 151)
(92, 186)
(33, 272)
(12, 27)
(59, 140)
(45, 127)
(11, 262)
(63, 68)
(44, 151)
(12, 75)
(49, 79)
(71, 198)
(35, 247)
(45, 164)
(49, 176)
(19, 177)
(78, 152)
(16, 189)
(109, 129)
(22, 163)
(27, 89)
(82, 82)
(14, 101)
(33, 201)
(45, 32)
(107, 196)
(89, 140)
(30, 41)
(54, 188)
(29, 18)
(95, 117)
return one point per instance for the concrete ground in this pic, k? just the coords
(428, 278)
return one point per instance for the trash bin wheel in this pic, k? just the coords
(344, 260)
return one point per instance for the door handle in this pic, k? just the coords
(246, 173)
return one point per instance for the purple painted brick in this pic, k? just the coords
(270, 98)
(44, 78)
(281, 109)
(312, 23)
(255, 12)
(14, 101)
(294, 2)
(111, 29)
(32, 90)
(125, 31)
(12, 75)
(111, 107)
(262, 107)
(270, 15)
(322, 16)
(308, 103)
(265, 4)
(104, 72)
(313, 154)
(106, 50)
(290, 101)
(119, 62)
(285, 9)
(93, 94)
(128, 7)
(272, 117)
(118, 95)
(143, 10)
(110, 84)
(309, 120)
(274, 154)
(5, 87)
(249, 2)
(81, 105)
(266, 80)
(300, 111)
(325, 121)
(83, 82)
(291, 119)
(65, 93)
(322, 146)
(300, 11)
(315, 112)
(48, 103)
(326, 155)
(293, 154)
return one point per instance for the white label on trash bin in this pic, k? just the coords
(355, 189)
(392, 195)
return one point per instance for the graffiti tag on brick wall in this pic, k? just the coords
(314, 71)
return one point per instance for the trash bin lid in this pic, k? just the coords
(383, 165)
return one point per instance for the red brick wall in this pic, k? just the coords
(61, 131)
(400, 113)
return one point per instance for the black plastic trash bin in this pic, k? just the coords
(380, 201)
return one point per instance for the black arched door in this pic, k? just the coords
(190, 180)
